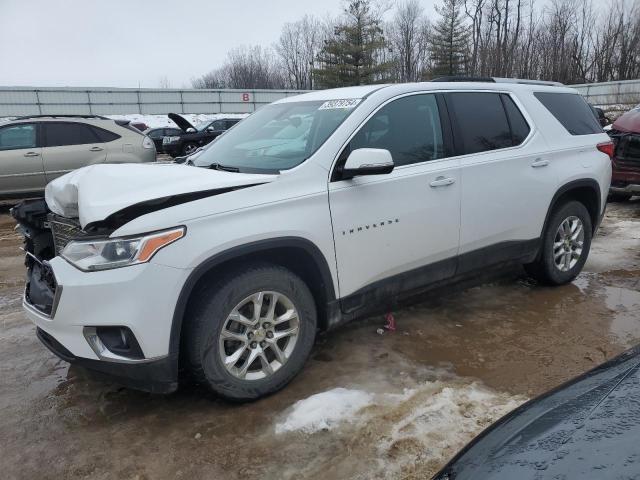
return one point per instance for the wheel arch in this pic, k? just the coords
(586, 191)
(300, 255)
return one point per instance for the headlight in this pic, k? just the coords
(166, 140)
(105, 254)
(147, 143)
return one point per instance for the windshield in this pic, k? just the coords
(200, 126)
(277, 137)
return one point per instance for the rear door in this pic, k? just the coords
(21, 167)
(508, 178)
(396, 232)
(68, 146)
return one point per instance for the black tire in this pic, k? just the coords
(189, 148)
(619, 197)
(544, 269)
(207, 314)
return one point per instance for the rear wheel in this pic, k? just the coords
(619, 197)
(250, 333)
(565, 245)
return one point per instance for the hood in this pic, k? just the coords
(588, 428)
(95, 193)
(181, 122)
(629, 122)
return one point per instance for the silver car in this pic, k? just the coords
(35, 150)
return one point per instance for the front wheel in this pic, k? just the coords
(189, 148)
(249, 333)
(566, 242)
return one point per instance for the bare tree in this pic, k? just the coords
(408, 36)
(297, 48)
(164, 82)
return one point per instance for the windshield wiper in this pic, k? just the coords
(224, 168)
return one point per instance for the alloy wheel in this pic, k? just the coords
(259, 335)
(568, 243)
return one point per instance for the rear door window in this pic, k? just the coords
(519, 127)
(64, 133)
(15, 137)
(481, 121)
(408, 127)
(572, 111)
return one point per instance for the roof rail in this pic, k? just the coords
(27, 117)
(525, 81)
(461, 78)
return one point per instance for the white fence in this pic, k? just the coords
(614, 96)
(18, 101)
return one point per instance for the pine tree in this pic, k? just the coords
(449, 40)
(353, 55)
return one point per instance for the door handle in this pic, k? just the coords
(540, 162)
(32, 154)
(442, 182)
(96, 149)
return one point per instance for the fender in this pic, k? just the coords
(583, 182)
(238, 252)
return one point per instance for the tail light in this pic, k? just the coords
(606, 147)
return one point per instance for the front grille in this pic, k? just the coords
(63, 230)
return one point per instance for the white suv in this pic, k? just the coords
(314, 210)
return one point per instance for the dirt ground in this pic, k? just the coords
(396, 405)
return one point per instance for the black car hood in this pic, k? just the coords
(586, 429)
(182, 122)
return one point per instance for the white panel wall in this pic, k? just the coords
(16, 101)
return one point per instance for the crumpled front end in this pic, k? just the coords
(116, 321)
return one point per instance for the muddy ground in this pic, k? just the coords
(396, 405)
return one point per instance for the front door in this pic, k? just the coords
(20, 159)
(396, 232)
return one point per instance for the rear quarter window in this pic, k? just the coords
(104, 135)
(572, 111)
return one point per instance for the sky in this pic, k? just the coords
(130, 43)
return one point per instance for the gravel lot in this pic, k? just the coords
(396, 405)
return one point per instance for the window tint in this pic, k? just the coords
(60, 134)
(158, 133)
(219, 125)
(481, 121)
(172, 131)
(408, 127)
(105, 135)
(519, 127)
(14, 137)
(572, 111)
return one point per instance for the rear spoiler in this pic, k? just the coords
(126, 124)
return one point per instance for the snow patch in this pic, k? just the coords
(439, 420)
(324, 411)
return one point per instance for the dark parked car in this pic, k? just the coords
(588, 428)
(625, 133)
(157, 134)
(190, 137)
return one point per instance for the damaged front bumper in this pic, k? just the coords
(117, 322)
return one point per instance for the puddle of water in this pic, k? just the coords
(625, 304)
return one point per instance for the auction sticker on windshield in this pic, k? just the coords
(340, 104)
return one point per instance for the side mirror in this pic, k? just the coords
(367, 161)
(191, 130)
(211, 129)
